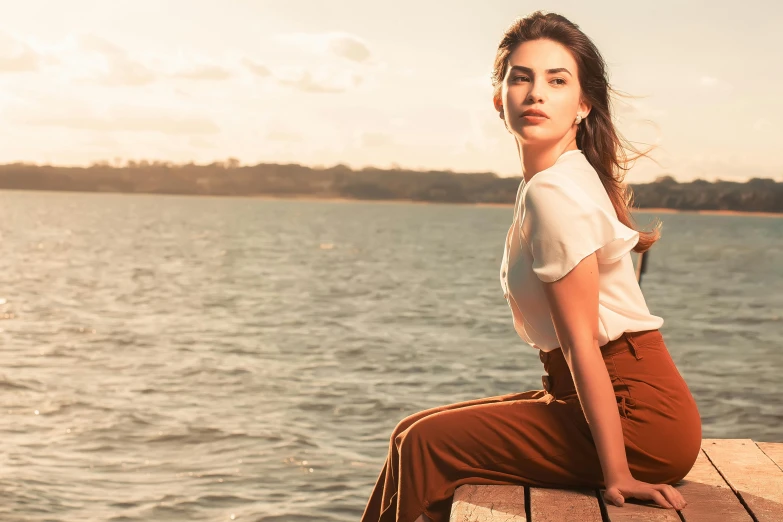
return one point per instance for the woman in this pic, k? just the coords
(615, 412)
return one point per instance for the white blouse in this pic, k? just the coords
(562, 215)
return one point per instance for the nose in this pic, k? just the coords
(535, 92)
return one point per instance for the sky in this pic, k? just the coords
(366, 83)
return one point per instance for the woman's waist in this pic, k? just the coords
(627, 342)
(632, 358)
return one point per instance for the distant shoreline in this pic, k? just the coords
(754, 197)
(335, 199)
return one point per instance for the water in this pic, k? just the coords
(188, 358)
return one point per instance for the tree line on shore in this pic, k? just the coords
(228, 178)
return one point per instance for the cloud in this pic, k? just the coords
(324, 81)
(344, 45)
(118, 68)
(306, 83)
(205, 72)
(350, 47)
(342, 63)
(17, 56)
(257, 69)
(126, 119)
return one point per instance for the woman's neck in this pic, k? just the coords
(535, 159)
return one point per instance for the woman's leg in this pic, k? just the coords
(519, 439)
(384, 494)
(536, 442)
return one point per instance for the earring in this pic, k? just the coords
(500, 113)
(578, 118)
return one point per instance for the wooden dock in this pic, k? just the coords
(733, 480)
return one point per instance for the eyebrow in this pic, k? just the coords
(528, 70)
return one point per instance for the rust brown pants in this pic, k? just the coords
(541, 437)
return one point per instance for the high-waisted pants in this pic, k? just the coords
(541, 437)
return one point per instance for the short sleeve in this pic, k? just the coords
(562, 225)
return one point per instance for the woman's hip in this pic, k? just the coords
(642, 373)
(660, 419)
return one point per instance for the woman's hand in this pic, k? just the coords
(664, 494)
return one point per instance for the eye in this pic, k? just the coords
(561, 80)
(515, 78)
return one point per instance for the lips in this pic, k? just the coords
(535, 112)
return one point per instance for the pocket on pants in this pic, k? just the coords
(625, 406)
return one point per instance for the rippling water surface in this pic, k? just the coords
(186, 358)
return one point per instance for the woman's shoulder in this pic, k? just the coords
(559, 184)
(564, 195)
(573, 181)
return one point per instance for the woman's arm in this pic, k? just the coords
(573, 306)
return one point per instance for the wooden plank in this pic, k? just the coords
(557, 505)
(751, 474)
(481, 503)
(773, 450)
(708, 496)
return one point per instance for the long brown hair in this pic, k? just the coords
(602, 145)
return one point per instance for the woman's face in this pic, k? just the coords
(542, 75)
